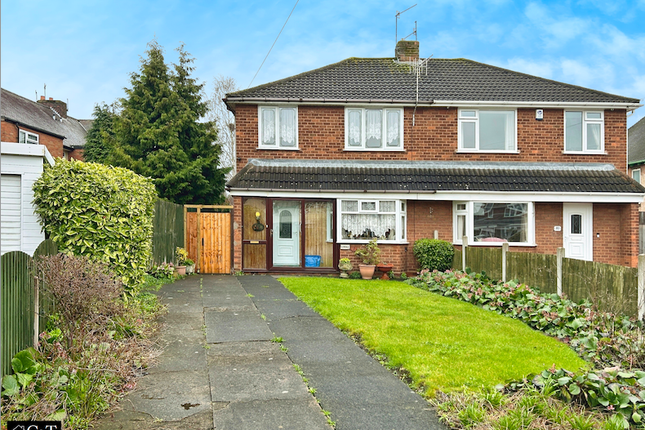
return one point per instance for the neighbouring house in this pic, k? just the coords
(402, 148)
(43, 122)
(32, 133)
(636, 158)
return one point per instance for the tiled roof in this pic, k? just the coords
(637, 142)
(428, 176)
(451, 80)
(42, 118)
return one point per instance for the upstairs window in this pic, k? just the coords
(584, 131)
(278, 127)
(374, 129)
(487, 130)
(27, 137)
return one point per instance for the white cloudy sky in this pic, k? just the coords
(84, 50)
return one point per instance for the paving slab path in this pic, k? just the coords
(220, 369)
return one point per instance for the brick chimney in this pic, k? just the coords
(407, 50)
(57, 105)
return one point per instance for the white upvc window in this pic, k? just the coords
(487, 130)
(363, 220)
(27, 137)
(494, 223)
(636, 175)
(584, 131)
(278, 127)
(374, 129)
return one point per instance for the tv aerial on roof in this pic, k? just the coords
(396, 25)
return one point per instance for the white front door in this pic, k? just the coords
(578, 230)
(286, 233)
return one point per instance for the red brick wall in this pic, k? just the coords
(321, 135)
(9, 133)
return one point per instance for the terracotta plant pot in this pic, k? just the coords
(181, 270)
(385, 269)
(367, 270)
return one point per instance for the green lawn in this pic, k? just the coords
(444, 343)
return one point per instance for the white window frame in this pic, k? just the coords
(639, 175)
(464, 119)
(277, 146)
(28, 137)
(400, 217)
(384, 110)
(469, 212)
(585, 121)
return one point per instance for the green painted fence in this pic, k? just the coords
(612, 288)
(18, 302)
(168, 231)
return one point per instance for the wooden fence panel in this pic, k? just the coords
(536, 270)
(192, 235)
(168, 231)
(45, 300)
(17, 306)
(488, 260)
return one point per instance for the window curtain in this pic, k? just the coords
(373, 128)
(354, 119)
(593, 137)
(368, 226)
(393, 138)
(287, 127)
(573, 122)
(268, 126)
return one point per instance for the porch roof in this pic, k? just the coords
(430, 176)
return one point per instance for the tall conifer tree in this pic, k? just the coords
(158, 132)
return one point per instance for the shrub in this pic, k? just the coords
(433, 254)
(85, 293)
(355, 275)
(102, 212)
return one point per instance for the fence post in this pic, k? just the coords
(436, 234)
(641, 286)
(559, 282)
(36, 310)
(464, 245)
(504, 251)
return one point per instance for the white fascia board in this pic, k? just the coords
(499, 197)
(451, 103)
(567, 105)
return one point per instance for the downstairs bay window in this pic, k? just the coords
(488, 223)
(364, 220)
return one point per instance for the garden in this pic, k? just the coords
(488, 354)
(100, 336)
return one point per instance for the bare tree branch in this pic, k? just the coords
(224, 119)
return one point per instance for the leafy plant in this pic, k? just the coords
(434, 254)
(369, 253)
(182, 255)
(102, 212)
(355, 275)
(162, 271)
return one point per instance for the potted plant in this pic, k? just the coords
(190, 266)
(345, 265)
(181, 254)
(369, 254)
(385, 268)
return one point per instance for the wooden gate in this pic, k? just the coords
(208, 237)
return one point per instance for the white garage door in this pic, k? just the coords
(10, 213)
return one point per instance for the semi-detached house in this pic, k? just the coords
(403, 148)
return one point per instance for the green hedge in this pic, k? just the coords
(99, 211)
(433, 254)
